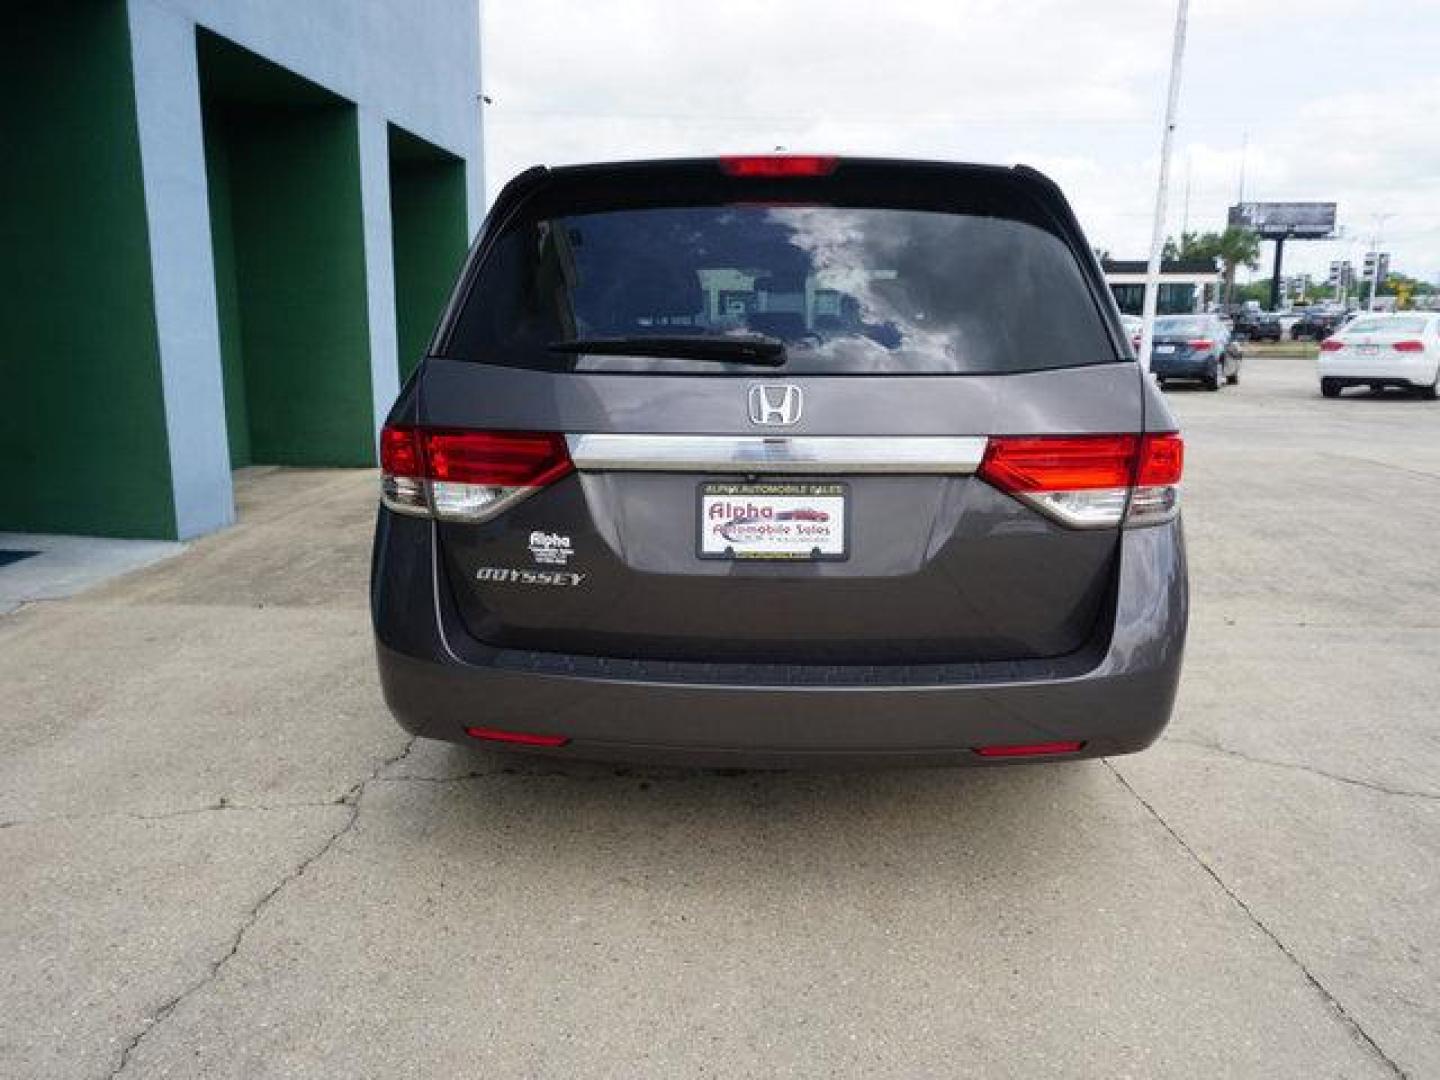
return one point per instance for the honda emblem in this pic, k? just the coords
(775, 405)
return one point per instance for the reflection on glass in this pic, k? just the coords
(849, 290)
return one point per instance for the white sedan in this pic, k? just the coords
(1133, 324)
(1377, 350)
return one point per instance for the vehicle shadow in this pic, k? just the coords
(714, 827)
(1384, 393)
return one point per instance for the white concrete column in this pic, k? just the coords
(172, 154)
(474, 149)
(379, 260)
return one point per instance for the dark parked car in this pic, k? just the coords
(1194, 348)
(1257, 326)
(1316, 324)
(771, 461)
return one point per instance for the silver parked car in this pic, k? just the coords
(781, 460)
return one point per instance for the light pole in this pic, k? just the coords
(1157, 234)
(1380, 220)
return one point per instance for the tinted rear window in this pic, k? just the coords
(1400, 325)
(1184, 324)
(849, 289)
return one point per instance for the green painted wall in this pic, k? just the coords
(83, 440)
(428, 237)
(284, 165)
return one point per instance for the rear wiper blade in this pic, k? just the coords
(727, 349)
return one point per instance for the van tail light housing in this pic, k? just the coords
(458, 475)
(1331, 344)
(1408, 346)
(784, 166)
(1090, 481)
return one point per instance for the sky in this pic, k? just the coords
(1320, 100)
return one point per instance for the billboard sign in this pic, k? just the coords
(1282, 220)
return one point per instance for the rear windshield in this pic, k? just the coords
(1183, 324)
(849, 290)
(1402, 325)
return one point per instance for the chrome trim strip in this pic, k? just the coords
(790, 454)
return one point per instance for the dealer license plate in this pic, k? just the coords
(794, 521)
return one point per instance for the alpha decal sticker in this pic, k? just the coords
(553, 549)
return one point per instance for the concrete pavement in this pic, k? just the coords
(226, 861)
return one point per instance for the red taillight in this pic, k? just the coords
(400, 451)
(1408, 346)
(516, 738)
(1331, 345)
(1201, 343)
(466, 475)
(1059, 463)
(1038, 749)
(772, 165)
(1162, 459)
(1090, 481)
(498, 458)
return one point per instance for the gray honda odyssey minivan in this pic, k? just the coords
(774, 461)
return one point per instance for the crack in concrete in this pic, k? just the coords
(1214, 622)
(1339, 778)
(351, 799)
(499, 774)
(221, 804)
(1423, 473)
(679, 773)
(1354, 1026)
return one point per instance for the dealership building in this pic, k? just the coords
(228, 228)
(1182, 284)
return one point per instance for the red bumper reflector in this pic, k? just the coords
(1029, 749)
(519, 738)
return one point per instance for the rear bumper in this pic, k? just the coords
(1116, 697)
(1189, 367)
(1390, 371)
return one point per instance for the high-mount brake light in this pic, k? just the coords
(472, 476)
(1090, 481)
(778, 165)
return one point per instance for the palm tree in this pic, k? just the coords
(1233, 248)
(1237, 248)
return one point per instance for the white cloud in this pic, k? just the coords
(1335, 106)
